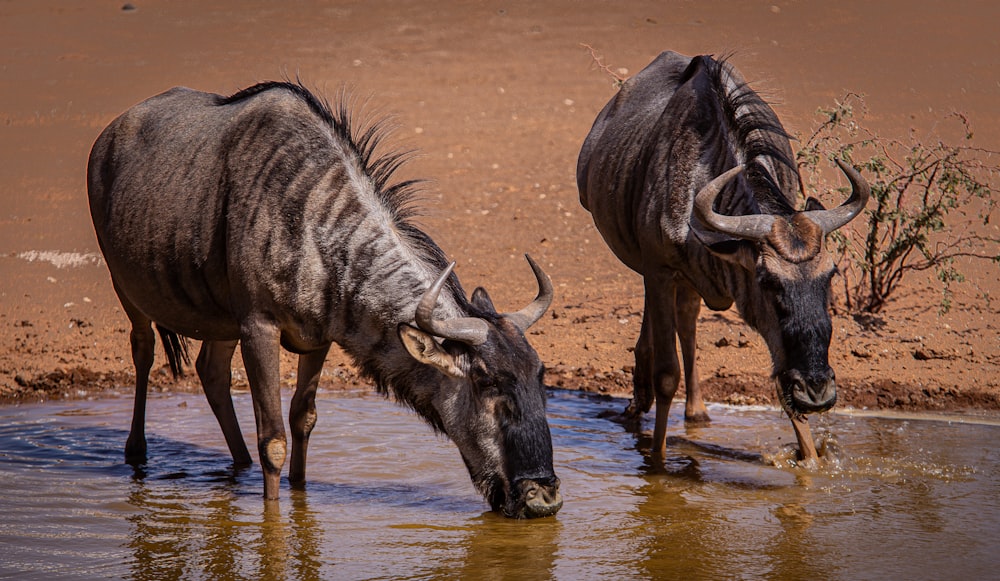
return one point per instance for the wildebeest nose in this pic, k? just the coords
(541, 500)
(816, 393)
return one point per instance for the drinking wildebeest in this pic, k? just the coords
(263, 218)
(691, 181)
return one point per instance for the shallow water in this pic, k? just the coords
(897, 498)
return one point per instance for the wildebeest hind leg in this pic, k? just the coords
(302, 412)
(214, 368)
(142, 341)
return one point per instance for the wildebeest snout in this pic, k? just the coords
(540, 497)
(809, 394)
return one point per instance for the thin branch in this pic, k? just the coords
(599, 63)
(922, 192)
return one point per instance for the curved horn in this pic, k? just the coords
(830, 220)
(530, 314)
(749, 227)
(469, 330)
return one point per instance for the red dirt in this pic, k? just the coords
(498, 98)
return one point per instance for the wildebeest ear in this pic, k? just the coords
(739, 252)
(481, 300)
(813, 204)
(424, 348)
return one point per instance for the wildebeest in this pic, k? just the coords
(269, 219)
(691, 180)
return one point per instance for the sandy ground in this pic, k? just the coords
(498, 97)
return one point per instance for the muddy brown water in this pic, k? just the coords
(902, 498)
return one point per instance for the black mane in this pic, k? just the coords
(362, 139)
(758, 134)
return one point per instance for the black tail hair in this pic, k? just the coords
(176, 348)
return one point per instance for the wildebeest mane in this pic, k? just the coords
(757, 133)
(363, 139)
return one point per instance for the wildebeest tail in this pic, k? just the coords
(176, 348)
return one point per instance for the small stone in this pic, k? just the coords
(862, 352)
(929, 353)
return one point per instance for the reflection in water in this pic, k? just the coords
(676, 537)
(387, 499)
(175, 536)
(533, 548)
(306, 539)
(180, 531)
(790, 552)
(685, 530)
(495, 548)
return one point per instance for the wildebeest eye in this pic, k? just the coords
(484, 381)
(487, 385)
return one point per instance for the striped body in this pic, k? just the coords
(255, 204)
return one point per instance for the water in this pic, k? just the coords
(387, 499)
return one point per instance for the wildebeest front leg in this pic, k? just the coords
(688, 304)
(661, 292)
(260, 344)
(807, 447)
(302, 413)
(642, 375)
(214, 367)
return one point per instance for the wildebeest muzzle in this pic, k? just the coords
(534, 498)
(802, 395)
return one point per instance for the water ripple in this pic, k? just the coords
(388, 499)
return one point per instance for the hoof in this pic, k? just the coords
(633, 411)
(135, 452)
(700, 418)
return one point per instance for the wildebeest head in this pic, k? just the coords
(491, 400)
(792, 277)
